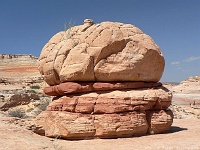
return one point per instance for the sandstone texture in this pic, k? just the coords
(84, 87)
(108, 114)
(83, 126)
(105, 82)
(113, 101)
(109, 51)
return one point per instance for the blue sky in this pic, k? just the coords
(27, 25)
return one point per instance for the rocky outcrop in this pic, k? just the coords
(191, 85)
(17, 100)
(12, 56)
(108, 51)
(18, 71)
(105, 81)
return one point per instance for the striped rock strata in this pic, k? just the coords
(107, 114)
(105, 81)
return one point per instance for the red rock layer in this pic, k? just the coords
(85, 87)
(107, 114)
(99, 105)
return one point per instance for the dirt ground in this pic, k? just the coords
(183, 135)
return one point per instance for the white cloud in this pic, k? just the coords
(175, 63)
(192, 58)
(189, 59)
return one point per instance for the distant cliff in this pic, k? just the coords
(17, 59)
(10, 56)
(22, 68)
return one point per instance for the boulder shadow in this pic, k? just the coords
(174, 129)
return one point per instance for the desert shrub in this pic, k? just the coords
(17, 112)
(43, 104)
(35, 87)
(30, 109)
(31, 91)
(67, 28)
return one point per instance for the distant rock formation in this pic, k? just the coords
(195, 79)
(12, 65)
(18, 73)
(189, 86)
(105, 81)
(10, 56)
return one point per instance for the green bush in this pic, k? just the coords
(35, 87)
(67, 28)
(43, 104)
(17, 112)
(31, 91)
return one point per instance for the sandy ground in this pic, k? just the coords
(184, 135)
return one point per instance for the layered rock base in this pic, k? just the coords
(107, 114)
(67, 125)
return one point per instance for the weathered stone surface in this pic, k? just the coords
(85, 87)
(114, 101)
(159, 121)
(105, 79)
(82, 126)
(109, 51)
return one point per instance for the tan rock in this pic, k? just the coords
(108, 51)
(85, 87)
(159, 121)
(82, 126)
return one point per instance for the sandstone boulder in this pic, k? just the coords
(105, 81)
(109, 51)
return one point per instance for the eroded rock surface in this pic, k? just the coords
(82, 126)
(113, 101)
(85, 87)
(109, 51)
(105, 81)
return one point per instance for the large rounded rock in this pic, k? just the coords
(109, 51)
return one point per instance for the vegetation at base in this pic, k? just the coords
(67, 28)
(31, 91)
(17, 112)
(43, 104)
(35, 87)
